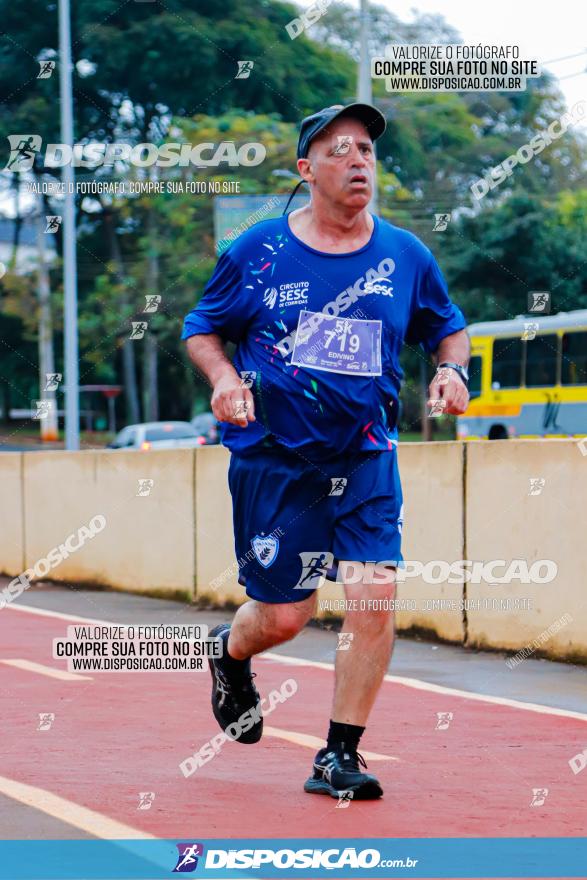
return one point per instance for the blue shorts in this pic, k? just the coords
(294, 520)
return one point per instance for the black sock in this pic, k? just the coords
(346, 735)
(229, 663)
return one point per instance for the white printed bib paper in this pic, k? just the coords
(338, 345)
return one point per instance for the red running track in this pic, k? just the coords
(122, 733)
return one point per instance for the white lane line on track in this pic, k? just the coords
(394, 679)
(43, 612)
(49, 671)
(69, 812)
(73, 814)
(440, 689)
(316, 742)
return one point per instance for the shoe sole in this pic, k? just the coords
(366, 791)
(250, 737)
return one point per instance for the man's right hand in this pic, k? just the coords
(232, 402)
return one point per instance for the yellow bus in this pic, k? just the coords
(528, 378)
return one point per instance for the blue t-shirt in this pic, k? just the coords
(290, 308)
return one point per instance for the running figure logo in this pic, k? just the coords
(46, 69)
(444, 719)
(146, 798)
(138, 329)
(314, 568)
(338, 485)
(152, 301)
(53, 222)
(539, 301)
(187, 860)
(43, 408)
(442, 376)
(537, 484)
(53, 380)
(539, 795)
(23, 149)
(437, 408)
(46, 719)
(240, 408)
(247, 378)
(441, 222)
(344, 799)
(344, 641)
(244, 69)
(344, 144)
(530, 330)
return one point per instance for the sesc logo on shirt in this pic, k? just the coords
(382, 286)
(270, 297)
(294, 294)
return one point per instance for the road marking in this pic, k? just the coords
(394, 679)
(67, 811)
(315, 742)
(439, 689)
(43, 612)
(50, 671)
(89, 821)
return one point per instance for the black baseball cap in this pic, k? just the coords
(371, 117)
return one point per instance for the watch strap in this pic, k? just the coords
(458, 368)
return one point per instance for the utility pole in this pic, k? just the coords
(70, 360)
(48, 426)
(364, 91)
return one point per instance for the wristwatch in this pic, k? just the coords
(462, 371)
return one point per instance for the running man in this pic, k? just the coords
(319, 303)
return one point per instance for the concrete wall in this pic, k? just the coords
(432, 483)
(504, 521)
(149, 540)
(468, 501)
(216, 569)
(12, 549)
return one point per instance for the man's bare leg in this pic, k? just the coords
(360, 670)
(258, 626)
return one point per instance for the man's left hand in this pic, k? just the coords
(448, 386)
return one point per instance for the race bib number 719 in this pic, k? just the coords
(338, 345)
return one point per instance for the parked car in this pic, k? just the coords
(206, 425)
(157, 435)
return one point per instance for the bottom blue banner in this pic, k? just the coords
(530, 857)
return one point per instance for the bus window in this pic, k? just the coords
(541, 361)
(507, 363)
(475, 376)
(574, 366)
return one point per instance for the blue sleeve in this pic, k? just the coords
(434, 315)
(221, 309)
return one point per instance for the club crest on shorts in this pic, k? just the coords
(266, 548)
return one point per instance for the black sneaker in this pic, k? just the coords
(337, 771)
(233, 695)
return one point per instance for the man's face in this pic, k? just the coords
(341, 163)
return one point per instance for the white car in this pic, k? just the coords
(157, 435)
